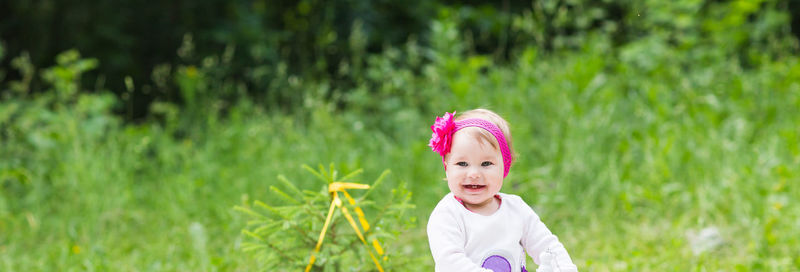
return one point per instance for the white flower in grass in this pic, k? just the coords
(705, 240)
(198, 234)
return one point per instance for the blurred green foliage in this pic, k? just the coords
(262, 43)
(637, 123)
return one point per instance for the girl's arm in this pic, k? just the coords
(447, 245)
(538, 241)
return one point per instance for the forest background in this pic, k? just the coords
(652, 135)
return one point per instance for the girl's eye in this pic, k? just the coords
(461, 163)
(486, 163)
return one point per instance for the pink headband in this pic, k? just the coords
(444, 128)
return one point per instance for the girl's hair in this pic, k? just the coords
(483, 135)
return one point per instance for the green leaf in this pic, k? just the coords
(375, 184)
(351, 175)
(248, 211)
(283, 195)
(315, 173)
(289, 185)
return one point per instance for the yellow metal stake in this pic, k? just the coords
(335, 188)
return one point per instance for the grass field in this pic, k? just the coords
(625, 155)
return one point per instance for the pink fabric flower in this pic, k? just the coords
(442, 135)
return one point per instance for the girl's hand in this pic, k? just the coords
(550, 264)
(547, 262)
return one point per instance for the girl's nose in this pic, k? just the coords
(473, 173)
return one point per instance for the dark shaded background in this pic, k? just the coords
(312, 38)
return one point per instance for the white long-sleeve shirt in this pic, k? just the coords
(463, 241)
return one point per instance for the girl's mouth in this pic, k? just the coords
(473, 187)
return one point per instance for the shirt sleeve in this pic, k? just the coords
(447, 242)
(538, 240)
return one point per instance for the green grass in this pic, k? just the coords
(620, 159)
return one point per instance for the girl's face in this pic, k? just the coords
(474, 171)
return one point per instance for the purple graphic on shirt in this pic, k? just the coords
(497, 264)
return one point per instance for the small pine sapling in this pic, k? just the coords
(360, 236)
